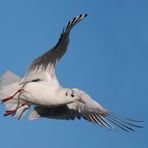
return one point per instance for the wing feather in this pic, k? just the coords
(47, 61)
(106, 120)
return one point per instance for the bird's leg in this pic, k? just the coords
(11, 97)
(11, 112)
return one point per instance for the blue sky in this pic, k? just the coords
(107, 57)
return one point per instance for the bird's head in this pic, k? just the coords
(74, 95)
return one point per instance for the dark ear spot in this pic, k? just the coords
(72, 95)
(66, 94)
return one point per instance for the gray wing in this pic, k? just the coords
(47, 61)
(102, 118)
(62, 112)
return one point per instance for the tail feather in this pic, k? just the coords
(9, 84)
(8, 78)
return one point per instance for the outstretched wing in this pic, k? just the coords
(104, 119)
(89, 110)
(47, 61)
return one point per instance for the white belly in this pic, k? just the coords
(40, 94)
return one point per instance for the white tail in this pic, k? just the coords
(9, 84)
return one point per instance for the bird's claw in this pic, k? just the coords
(7, 99)
(9, 112)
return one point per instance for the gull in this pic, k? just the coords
(41, 89)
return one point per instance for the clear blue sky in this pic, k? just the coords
(107, 57)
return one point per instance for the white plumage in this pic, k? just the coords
(41, 89)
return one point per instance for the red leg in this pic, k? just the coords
(11, 112)
(11, 97)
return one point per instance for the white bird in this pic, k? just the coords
(41, 89)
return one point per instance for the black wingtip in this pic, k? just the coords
(85, 15)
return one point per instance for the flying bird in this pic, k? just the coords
(41, 89)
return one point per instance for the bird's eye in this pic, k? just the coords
(72, 95)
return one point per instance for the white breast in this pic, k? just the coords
(40, 93)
